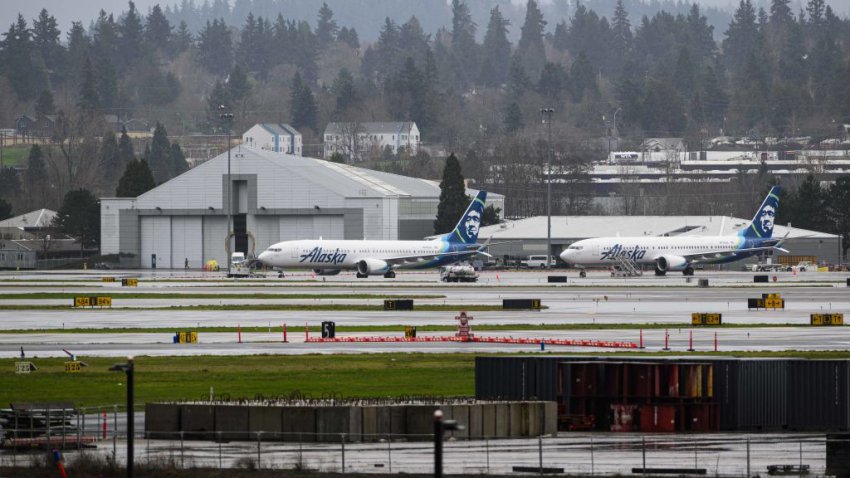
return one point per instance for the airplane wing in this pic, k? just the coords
(404, 260)
(724, 253)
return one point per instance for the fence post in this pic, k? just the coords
(591, 457)
(219, 450)
(79, 433)
(115, 434)
(182, 456)
(487, 451)
(748, 458)
(695, 454)
(801, 455)
(259, 457)
(64, 428)
(342, 442)
(390, 453)
(540, 453)
(643, 452)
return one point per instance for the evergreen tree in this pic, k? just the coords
(518, 81)
(326, 28)
(553, 80)
(496, 51)
(809, 206)
(136, 180)
(88, 101)
(741, 37)
(44, 105)
(490, 217)
(125, 148)
(838, 197)
(622, 39)
(181, 40)
(685, 75)
(109, 160)
(178, 160)
(560, 39)
(815, 11)
(513, 118)
(218, 99)
(215, 47)
(530, 50)
(79, 217)
(349, 37)
(45, 35)
(17, 53)
(10, 185)
(303, 105)
(453, 199)
(105, 39)
(79, 47)
(159, 158)
(464, 48)
(582, 78)
(345, 91)
(35, 177)
(131, 38)
(238, 88)
(158, 30)
(5, 210)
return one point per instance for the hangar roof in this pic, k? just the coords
(37, 218)
(583, 227)
(283, 178)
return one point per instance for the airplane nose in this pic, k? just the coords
(263, 256)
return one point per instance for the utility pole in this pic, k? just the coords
(128, 369)
(227, 117)
(548, 112)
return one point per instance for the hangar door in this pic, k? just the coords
(312, 227)
(186, 241)
(156, 241)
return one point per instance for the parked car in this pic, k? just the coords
(538, 262)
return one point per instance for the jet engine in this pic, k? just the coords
(372, 266)
(670, 263)
(326, 272)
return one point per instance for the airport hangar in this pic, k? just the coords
(528, 236)
(275, 197)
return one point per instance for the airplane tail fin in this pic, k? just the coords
(466, 231)
(761, 227)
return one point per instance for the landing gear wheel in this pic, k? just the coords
(389, 275)
(659, 272)
(280, 275)
(362, 276)
(582, 274)
(689, 271)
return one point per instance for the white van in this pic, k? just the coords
(538, 262)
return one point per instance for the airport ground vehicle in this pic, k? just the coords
(458, 273)
(538, 262)
(239, 266)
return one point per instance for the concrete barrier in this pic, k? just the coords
(299, 423)
(233, 422)
(162, 420)
(354, 422)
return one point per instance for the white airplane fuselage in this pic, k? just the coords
(647, 249)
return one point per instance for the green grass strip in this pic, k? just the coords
(261, 307)
(213, 295)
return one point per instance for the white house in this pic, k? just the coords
(277, 137)
(359, 140)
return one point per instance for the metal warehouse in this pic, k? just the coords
(676, 394)
(275, 197)
(528, 236)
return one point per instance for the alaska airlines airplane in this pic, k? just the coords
(681, 253)
(329, 257)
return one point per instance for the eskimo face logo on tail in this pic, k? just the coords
(767, 219)
(318, 256)
(635, 253)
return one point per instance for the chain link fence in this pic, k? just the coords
(101, 434)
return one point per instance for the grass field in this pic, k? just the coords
(244, 307)
(173, 378)
(15, 155)
(191, 295)
(316, 376)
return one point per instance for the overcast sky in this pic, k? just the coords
(67, 11)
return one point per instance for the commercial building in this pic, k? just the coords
(277, 137)
(275, 197)
(528, 236)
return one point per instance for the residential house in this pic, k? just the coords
(278, 137)
(358, 141)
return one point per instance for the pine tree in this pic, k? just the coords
(464, 49)
(326, 28)
(88, 101)
(513, 118)
(181, 40)
(238, 88)
(178, 160)
(553, 79)
(518, 81)
(5, 210)
(79, 217)
(158, 30)
(125, 148)
(453, 199)
(35, 177)
(109, 160)
(530, 50)
(136, 180)
(159, 157)
(815, 11)
(78, 47)
(44, 105)
(26, 76)
(215, 47)
(349, 37)
(218, 100)
(741, 37)
(582, 78)
(303, 105)
(131, 38)
(344, 90)
(45, 35)
(496, 51)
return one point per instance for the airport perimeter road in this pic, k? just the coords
(116, 345)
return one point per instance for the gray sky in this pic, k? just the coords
(67, 11)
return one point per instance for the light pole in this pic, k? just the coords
(128, 369)
(548, 112)
(227, 117)
(440, 427)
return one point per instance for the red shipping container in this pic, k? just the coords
(657, 419)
